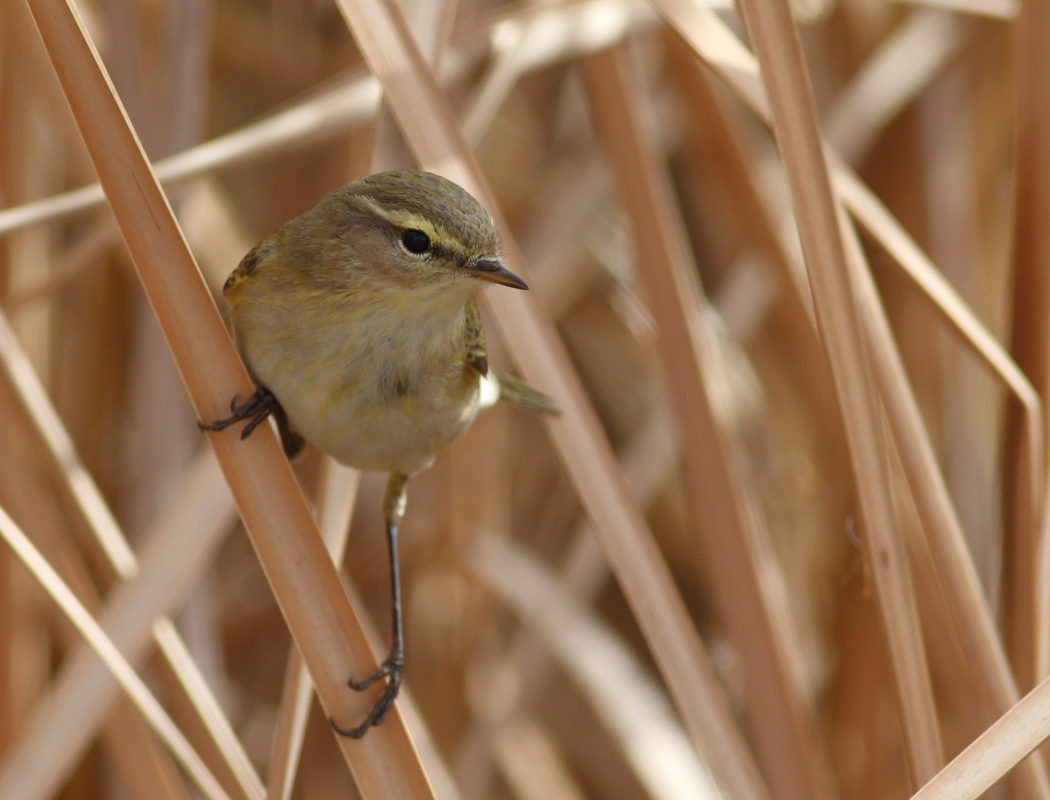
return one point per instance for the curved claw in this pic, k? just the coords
(390, 668)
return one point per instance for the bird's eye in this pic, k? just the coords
(415, 241)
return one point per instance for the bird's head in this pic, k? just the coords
(414, 230)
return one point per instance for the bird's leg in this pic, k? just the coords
(394, 502)
(256, 408)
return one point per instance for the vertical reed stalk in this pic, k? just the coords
(798, 136)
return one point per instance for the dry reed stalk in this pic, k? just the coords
(891, 78)
(1026, 462)
(115, 662)
(59, 447)
(617, 686)
(196, 688)
(49, 435)
(140, 760)
(648, 460)
(779, 52)
(305, 583)
(1030, 301)
(532, 764)
(722, 50)
(995, 9)
(336, 505)
(722, 504)
(431, 131)
(995, 752)
(350, 102)
(353, 100)
(63, 723)
(188, 712)
(967, 606)
(891, 235)
(716, 45)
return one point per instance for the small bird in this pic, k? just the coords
(358, 324)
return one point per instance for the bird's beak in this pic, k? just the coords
(495, 272)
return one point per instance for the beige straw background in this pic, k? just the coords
(790, 269)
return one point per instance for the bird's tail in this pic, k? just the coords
(516, 391)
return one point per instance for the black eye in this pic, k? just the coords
(415, 241)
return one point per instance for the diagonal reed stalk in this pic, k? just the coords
(648, 461)
(1030, 335)
(431, 132)
(140, 760)
(724, 508)
(891, 78)
(107, 651)
(995, 752)
(717, 45)
(303, 578)
(798, 137)
(63, 723)
(352, 99)
(49, 435)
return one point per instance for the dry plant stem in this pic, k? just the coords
(648, 461)
(795, 124)
(188, 673)
(1030, 337)
(716, 45)
(724, 511)
(617, 687)
(532, 765)
(712, 40)
(60, 448)
(431, 132)
(351, 102)
(970, 615)
(339, 486)
(305, 582)
(108, 652)
(995, 752)
(891, 78)
(63, 723)
(140, 762)
(996, 9)
(50, 436)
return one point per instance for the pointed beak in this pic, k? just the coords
(495, 272)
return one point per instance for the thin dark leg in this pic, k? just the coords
(255, 409)
(393, 664)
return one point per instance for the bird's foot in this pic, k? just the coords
(256, 408)
(391, 668)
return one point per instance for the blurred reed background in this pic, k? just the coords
(711, 576)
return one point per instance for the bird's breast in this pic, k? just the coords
(375, 387)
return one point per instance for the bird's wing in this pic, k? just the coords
(516, 392)
(499, 385)
(259, 254)
(477, 356)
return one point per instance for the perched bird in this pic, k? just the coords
(358, 324)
